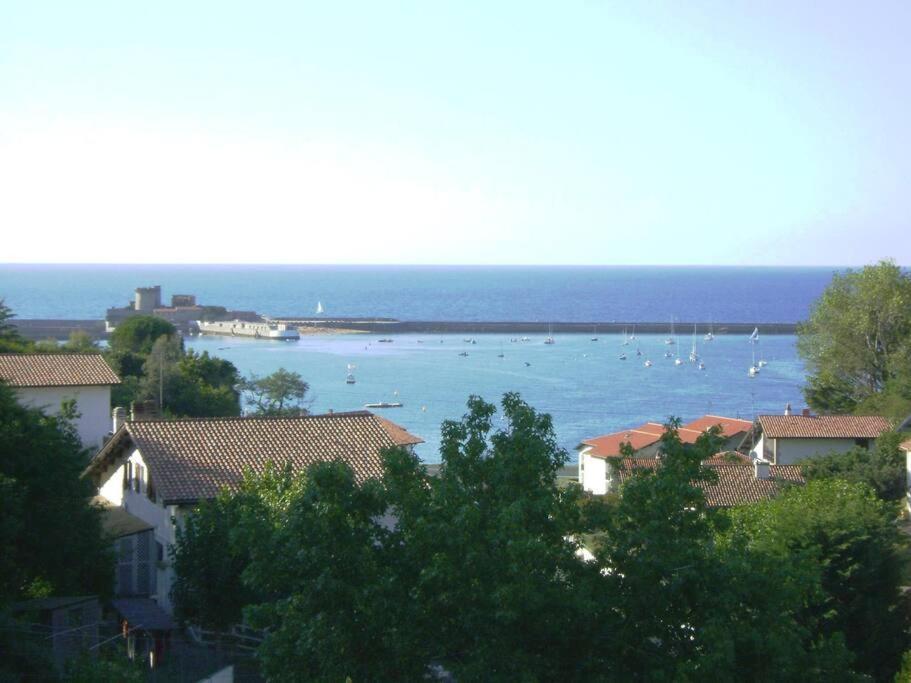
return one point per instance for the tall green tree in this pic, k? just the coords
(282, 393)
(10, 339)
(857, 342)
(53, 539)
(845, 543)
(187, 383)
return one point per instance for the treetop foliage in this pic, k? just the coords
(857, 342)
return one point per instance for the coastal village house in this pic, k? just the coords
(159, 470)
(787, 439)
(47, 380)
(595, 475)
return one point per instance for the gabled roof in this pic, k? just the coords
(56, 370)
(194, 459)
(823, 426)
(737, 483)
(639, 437)
(608, 446)
(730, 426)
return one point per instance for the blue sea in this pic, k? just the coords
(570, 294)
(582, 383)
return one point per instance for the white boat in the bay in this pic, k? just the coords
(647, 363)
(319, 308)
(694, 357)
(710, 335)
(243, 328)
(625, 338)
(349, 378)
(383, 404)
(622, 356)
(671, 340)
(678, 360)
(701, 365)
(754, 369)
(550, 335)
(754, 338)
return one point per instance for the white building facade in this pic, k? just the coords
(47, 381)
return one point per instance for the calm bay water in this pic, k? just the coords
(546, 294)
(581, 383)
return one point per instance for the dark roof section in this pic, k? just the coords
(56, 370)
(737, 483)
(823, 426)
(193, 459)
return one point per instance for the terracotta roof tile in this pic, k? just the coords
(194, 459)
(730, 426)
(737, 483)
(56, 370)
(823, 426)
(608, 446)
(639, 437)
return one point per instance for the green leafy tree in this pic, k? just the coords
(857, 342)
(10, 339)
(282, 393)
(139, 333)
(844, 540)
(689, 608)
(189, 384)
(320, 548)
(53, 539)
(883, 467)
(486, 549)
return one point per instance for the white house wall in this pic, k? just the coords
(92, 403)
(592, 473)
(790, 451)
(153, 513)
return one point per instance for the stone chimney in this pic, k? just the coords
(761, 469)
(805, 412)
(120, 416)
(143, 410)
(787, 409)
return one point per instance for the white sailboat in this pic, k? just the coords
(648, 363)
(694, 357)
(754, 338)
(670, 340)
(349, 378)
(754, 369)
(710, 335)
(625, 338)
(678, 360)
(319, 307)
(550, 335)
(632, 337)
(762, 360)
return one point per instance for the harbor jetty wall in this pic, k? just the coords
(37, 329)
(533, 327)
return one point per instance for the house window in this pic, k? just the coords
(137, 478)
(127, 475)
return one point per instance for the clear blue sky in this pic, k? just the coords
(462, 132)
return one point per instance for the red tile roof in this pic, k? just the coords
(194, 459)
(645, 435)
(737, 483)
(823, 426)
(730, 426)
(56, 370)
(639, 437)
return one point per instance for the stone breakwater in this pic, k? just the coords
(37, 329)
